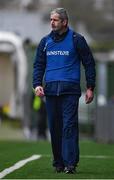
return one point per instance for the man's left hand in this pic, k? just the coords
(89, 96)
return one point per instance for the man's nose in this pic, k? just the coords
(51, 21)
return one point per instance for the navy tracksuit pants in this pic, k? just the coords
(63, 125)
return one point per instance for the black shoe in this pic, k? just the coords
(70, 170)
(59, 169)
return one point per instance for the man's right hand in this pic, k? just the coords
(39, 91)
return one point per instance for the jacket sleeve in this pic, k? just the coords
(86, 57)
(39, 64)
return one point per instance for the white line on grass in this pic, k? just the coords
(97, 156)
(89, 156)
(18, 165)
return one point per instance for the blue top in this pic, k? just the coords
(62, 62)
(58, 58)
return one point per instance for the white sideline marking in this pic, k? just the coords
(18, 165)
(97, 156)
(89, 156)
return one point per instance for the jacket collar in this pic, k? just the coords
(58, 37)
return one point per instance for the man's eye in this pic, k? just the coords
(54, 20)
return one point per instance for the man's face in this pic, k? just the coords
(56, 23)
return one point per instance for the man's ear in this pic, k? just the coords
(65, 22)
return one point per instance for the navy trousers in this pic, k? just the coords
(63, 125)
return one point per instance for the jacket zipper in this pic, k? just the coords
(58, 89)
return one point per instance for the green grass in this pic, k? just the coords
(89, 168)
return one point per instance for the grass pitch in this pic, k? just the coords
(96, 160)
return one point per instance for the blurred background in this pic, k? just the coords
(22, 24)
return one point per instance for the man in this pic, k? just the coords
(59, 55)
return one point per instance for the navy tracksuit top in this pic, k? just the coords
(58, 60)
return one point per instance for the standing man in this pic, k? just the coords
(58, 59)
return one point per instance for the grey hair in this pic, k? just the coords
(62, 12)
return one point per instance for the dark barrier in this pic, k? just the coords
(104, 124)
